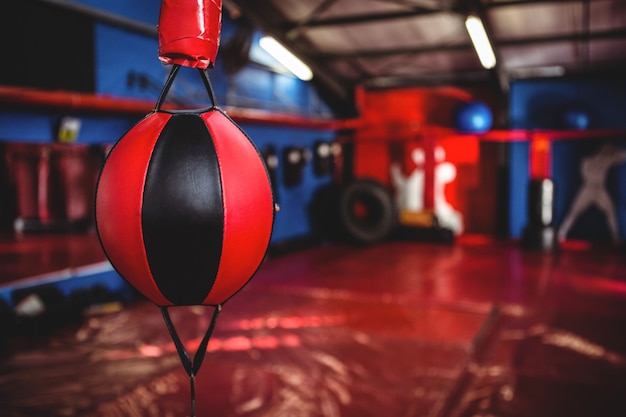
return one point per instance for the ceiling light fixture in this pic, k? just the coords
(480, 40)
(285, 57)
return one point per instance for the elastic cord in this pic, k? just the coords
(170, 80)
(191, 368)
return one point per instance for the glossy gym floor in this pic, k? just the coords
(398, 329)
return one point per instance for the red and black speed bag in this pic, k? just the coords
(184, 207)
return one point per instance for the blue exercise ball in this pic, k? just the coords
(577, 119)
(474, 117)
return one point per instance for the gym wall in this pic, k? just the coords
(548, 105)
(109, 60)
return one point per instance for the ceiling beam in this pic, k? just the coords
(293, 33)
(471, 77)
(429, 79)
(509, 3)
(381, 53)
(415, 11)
(412, 11)
(361, 19)
(266, 19)
(569, 37)
(374, 53)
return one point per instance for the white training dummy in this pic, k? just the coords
(445, 173)
(594, 171)
(410, 189)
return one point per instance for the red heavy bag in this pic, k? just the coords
(184, 206)
(189, 32)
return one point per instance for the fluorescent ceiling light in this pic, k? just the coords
(481, 43)
(289, 60)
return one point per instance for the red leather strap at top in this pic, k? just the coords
(189, 32)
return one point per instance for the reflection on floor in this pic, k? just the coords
(25, 256)
(399, 329)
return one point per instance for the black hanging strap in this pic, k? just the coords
(201, 352)
(207, 84)
(166, 86)
(170, 80)
(191, 367)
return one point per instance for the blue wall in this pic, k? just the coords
(127, 65)
(292, 221)
(518, 184)
(542, 104)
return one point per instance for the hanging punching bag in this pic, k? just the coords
(184, 207)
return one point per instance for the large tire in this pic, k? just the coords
(367, 211)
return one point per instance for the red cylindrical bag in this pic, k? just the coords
(189, 32)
